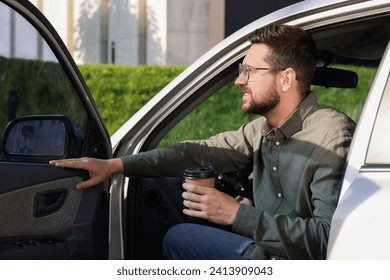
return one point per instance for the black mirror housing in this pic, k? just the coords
(41, 138)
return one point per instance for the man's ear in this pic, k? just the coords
(287, 79)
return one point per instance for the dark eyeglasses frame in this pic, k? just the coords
(247, 69)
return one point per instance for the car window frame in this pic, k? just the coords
(377, 154)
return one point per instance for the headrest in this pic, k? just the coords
(333, 77)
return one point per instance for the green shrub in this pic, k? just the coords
(119, 91)
(40, 88)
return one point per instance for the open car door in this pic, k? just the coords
(46, 113)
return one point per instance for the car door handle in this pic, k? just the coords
(48, 202)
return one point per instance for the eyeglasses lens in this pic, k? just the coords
(242, 69)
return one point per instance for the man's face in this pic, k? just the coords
(260, 94)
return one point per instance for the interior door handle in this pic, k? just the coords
(48, 202)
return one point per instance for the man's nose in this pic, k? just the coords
(240, 80)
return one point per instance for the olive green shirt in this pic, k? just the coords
(297, 172)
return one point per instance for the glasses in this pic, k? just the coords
(245, 69)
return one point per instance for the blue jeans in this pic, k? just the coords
(198, 242)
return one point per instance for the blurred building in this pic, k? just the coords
(132, 32)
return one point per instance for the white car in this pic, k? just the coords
(48, 112)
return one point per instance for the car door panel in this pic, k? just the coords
(156, 206)
(37, 205)
(45, 217)
(28, 174)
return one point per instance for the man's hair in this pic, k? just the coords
(291, 47)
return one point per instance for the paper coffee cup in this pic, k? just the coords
(203, 176)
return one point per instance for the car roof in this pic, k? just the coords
(364, 29)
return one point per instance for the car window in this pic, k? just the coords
(220, 112)
(32, 80)
(350, 101)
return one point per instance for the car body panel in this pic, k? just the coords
(359, 216)
(364, 202)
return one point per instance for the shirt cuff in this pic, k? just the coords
(247, 220)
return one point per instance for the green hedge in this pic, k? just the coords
(120, 91)
(40, 88)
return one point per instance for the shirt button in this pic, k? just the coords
(277, 143)
(279, 195)
(274, 168)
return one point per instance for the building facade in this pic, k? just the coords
(133, 32)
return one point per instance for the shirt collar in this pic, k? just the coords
(294, 122)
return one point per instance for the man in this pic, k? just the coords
(297, 151)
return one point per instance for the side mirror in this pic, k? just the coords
(40, 138)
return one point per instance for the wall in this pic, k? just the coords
(133, 32)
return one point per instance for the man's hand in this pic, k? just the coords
(99, 169)
(210, 204)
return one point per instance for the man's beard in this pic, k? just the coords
(265, 106)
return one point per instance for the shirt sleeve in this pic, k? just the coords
(228, 152)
